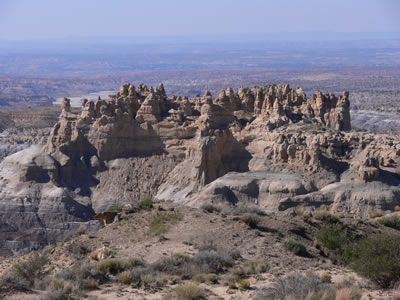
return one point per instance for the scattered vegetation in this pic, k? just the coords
(211, 208)
(115, 208)
(295, 247)
(376, 258)
(112, 266)
(146, 204)
(13, 283)
(326, 278)
(334, 236)
(162, 222)
(256, 267)
(206, 262)
(326, 216)
(307, 286)
(295, 285)
(125, 278)
(205, 277)
(31, 269)
(391, 221)
(375, 214)
(244, 284)
(251, 219)
(250, 209)
(77, 248)
(189, 291)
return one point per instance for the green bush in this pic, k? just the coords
(295, 247)
(376, 258)
(31, 269)
(113, 266)
(391, 221)
(146, 204)
(333, 236)
(189, 291)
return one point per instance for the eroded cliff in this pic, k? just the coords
(270, 145)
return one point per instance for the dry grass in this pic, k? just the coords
(189, 291)
(163, 221)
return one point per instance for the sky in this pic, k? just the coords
(57, 19)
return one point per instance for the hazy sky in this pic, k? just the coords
(44, 19)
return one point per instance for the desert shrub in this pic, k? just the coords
(171, 279)
(376, 258)
(146, 204)
(59, 289)
(88, 274)
(326, 278)
(300, 212)
(333, 236)
(328, 293)
(125, 277)
(189, 291)
(137, 275)
(58, 295)
(397, 208)
(211, 208)
(135, 262)
(295, 285)
(391, 221)
(147, 279)
(244, 284)
(256, 267)
(115, 208)
(77, 248)
(212, 261)
(348, 293)
(175, 265)
(208, 245)
(113, 266)
(295, 247)
(326, 216)
(375, 214)
(396, 293)
(250, 209)
(12, 284)
(205, 277)
(203, 262)
(251, 219)
(162, 222)
(31, 269)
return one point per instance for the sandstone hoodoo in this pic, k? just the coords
(271, 146)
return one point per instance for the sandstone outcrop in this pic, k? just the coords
(271, 146)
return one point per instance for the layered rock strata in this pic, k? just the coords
(269, 145)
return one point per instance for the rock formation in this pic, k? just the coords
(268, 145)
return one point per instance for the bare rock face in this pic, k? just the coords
(270, 146)
(105, 129)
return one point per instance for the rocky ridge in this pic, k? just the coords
(271, 146)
